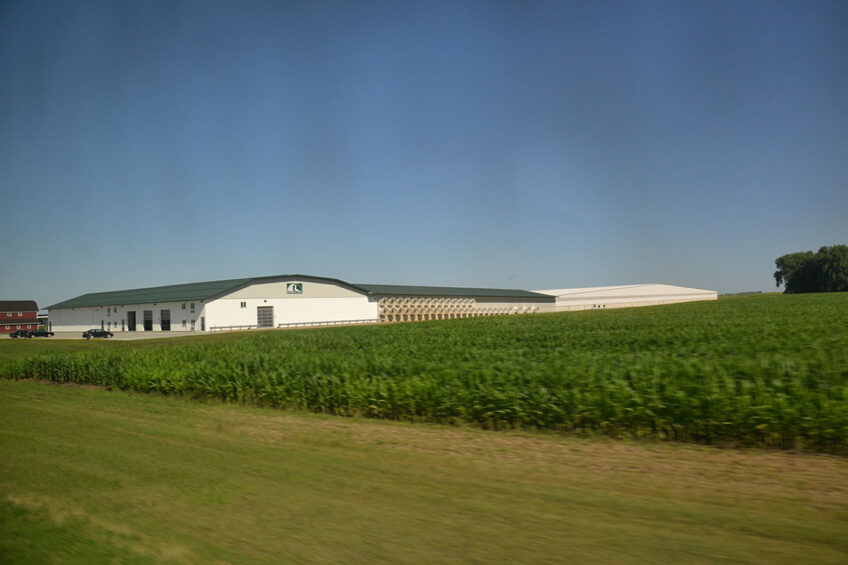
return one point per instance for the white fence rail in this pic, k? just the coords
(229, 328)
(328, 323)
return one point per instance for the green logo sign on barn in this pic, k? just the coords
(294, 288)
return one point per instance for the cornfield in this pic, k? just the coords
(762, 371)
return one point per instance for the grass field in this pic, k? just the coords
(92, 476)
(15, 349)
(759, 371)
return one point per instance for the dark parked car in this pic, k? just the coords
(41, 333)
(96, 333)
(20, 333)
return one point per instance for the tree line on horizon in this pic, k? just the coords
(805, 271)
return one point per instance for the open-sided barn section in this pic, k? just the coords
(282, 300)
(623, 296)
(397, 303)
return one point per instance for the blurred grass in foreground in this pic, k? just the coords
(89, 476)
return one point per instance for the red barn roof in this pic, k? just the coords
(18, 306)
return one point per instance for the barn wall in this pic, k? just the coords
(224, 313)
(115, 318)
(626, 296)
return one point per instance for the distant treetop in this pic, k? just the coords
(805, 271)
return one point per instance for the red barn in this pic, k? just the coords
(18, 315)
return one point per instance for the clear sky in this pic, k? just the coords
(505, 144)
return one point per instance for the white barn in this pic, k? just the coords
(282, 300)
(623, 296)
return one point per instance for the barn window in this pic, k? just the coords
(244, 304)
(20, 314)
(183, 306)
(192, 307)
(8, 327)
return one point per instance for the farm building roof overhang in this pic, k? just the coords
(202, 291)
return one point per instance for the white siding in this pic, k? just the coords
(318, 302)
(226, 312)
(279, 289)
(115, 320)
(624, 296)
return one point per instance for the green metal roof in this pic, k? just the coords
(451, 291)
(212, 289)
(170, 293)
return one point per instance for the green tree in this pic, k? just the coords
(805, 271)
(832, 268)
(793, 271)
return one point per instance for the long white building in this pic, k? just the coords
(282, 300)
(623, 296)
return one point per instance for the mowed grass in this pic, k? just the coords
(755, 371)
(92, 476)
(15, 349)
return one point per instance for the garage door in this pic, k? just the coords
(265, 316)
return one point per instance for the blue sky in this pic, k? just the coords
(503, 144)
